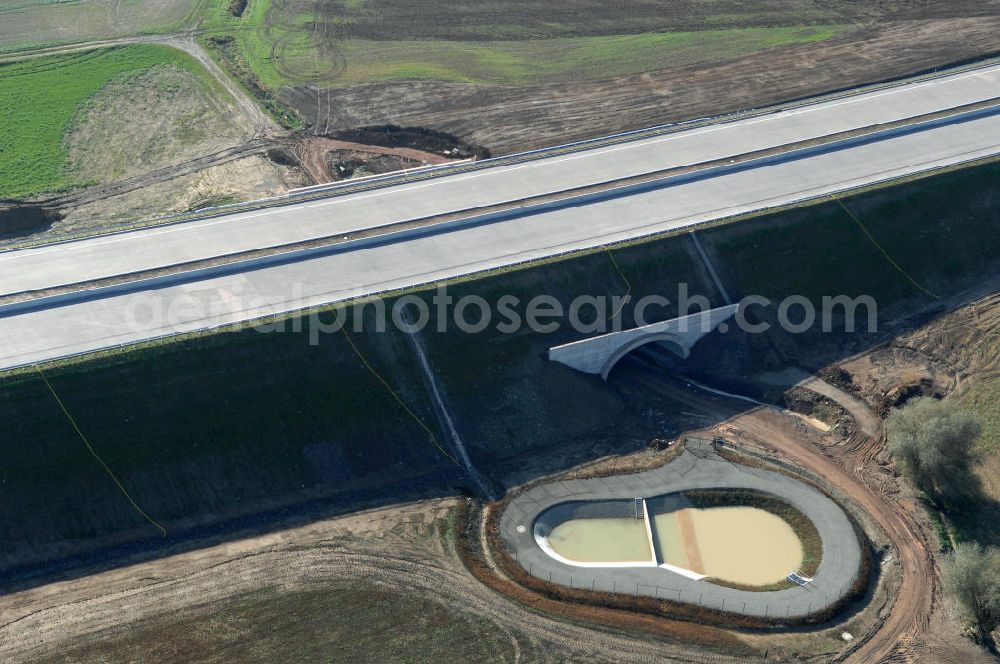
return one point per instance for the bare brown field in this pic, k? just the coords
(380, 586)
(507, 119)
(32, 23)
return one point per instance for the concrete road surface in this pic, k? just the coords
(395, 262)
(136, 251)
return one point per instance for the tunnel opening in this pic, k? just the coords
(660, 351)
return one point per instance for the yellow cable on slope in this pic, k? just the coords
(884, 252)
(90, 448)
(396, 397)
(628, 291)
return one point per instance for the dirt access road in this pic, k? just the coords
(312, 155)
(395, 547)
(847, 468)
(401, 548)
(852, 469)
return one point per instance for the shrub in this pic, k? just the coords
(932, 441)
(972, 576)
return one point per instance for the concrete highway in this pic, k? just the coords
(54, 330)
(137, 251)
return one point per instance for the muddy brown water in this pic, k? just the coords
(601, 540)
(743, 545)
(738, 544)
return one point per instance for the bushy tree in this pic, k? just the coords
(972, 576)
(932, 441)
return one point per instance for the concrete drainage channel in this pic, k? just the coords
(529, 520)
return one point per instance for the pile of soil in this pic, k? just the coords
(811, 404)
(345, 164)
(418, 138)
(899, 395)
(26, 219)
(282, 157)
(237, 7)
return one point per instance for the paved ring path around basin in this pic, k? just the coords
(698, 467)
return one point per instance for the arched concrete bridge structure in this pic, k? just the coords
(598, 355)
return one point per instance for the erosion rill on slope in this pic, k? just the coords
(443, 413)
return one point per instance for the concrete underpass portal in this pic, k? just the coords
(598, 355)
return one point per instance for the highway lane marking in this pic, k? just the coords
(226, 221)
(278, 212)
(687, 219)
(245, 313)
(83, 245)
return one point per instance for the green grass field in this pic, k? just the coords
(558, 60)
(40, 97)
(981, 394)
(395, 20)
(291, 42)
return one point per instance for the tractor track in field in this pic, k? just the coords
(118, 187)
(262, 134)
(38, 623)
(261, 131)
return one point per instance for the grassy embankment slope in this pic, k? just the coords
(240, 422)
(26, 24)
(941, 232)
(224, 424)
(41, 97)
(935, 235)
